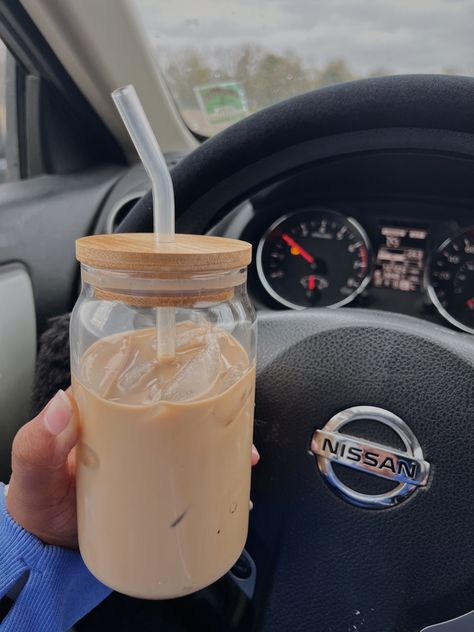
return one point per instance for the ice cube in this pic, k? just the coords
(134, 373)
(197, 375)
(231, 375)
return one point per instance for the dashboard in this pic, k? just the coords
(400, 238)
(403, 255)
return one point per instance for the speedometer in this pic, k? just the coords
(314, 258)
(451, 280)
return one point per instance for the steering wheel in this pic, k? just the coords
(324, 562)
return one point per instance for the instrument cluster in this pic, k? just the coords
(320, 257)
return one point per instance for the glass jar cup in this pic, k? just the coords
(163, 369)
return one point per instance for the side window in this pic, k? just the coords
(3, 113)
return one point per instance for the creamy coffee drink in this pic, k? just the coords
(163, 465)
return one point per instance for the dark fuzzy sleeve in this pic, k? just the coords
(52, 366)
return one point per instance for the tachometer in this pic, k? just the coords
(451, 280)
(314, 258)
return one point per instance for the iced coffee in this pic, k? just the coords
(163, 463)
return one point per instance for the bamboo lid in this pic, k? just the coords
(176, 300)
(140, 251)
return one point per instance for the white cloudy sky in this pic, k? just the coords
(400, 35)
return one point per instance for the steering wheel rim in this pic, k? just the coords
(293, 505)
(404, 112)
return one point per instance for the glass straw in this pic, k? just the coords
(146, 144)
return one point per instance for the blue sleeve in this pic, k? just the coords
(59, 590)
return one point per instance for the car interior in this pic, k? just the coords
(358, 200)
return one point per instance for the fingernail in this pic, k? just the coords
(255, 455)
(250, 505)
(58, 413)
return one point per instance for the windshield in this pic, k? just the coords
(224, 59)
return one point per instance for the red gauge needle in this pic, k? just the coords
(312, 282)
(297, 250)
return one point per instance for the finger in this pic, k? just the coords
(255, 456)
(40, 472)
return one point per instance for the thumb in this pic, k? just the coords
(40, 473)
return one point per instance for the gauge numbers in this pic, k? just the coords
(314, 258)
(451, 280)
